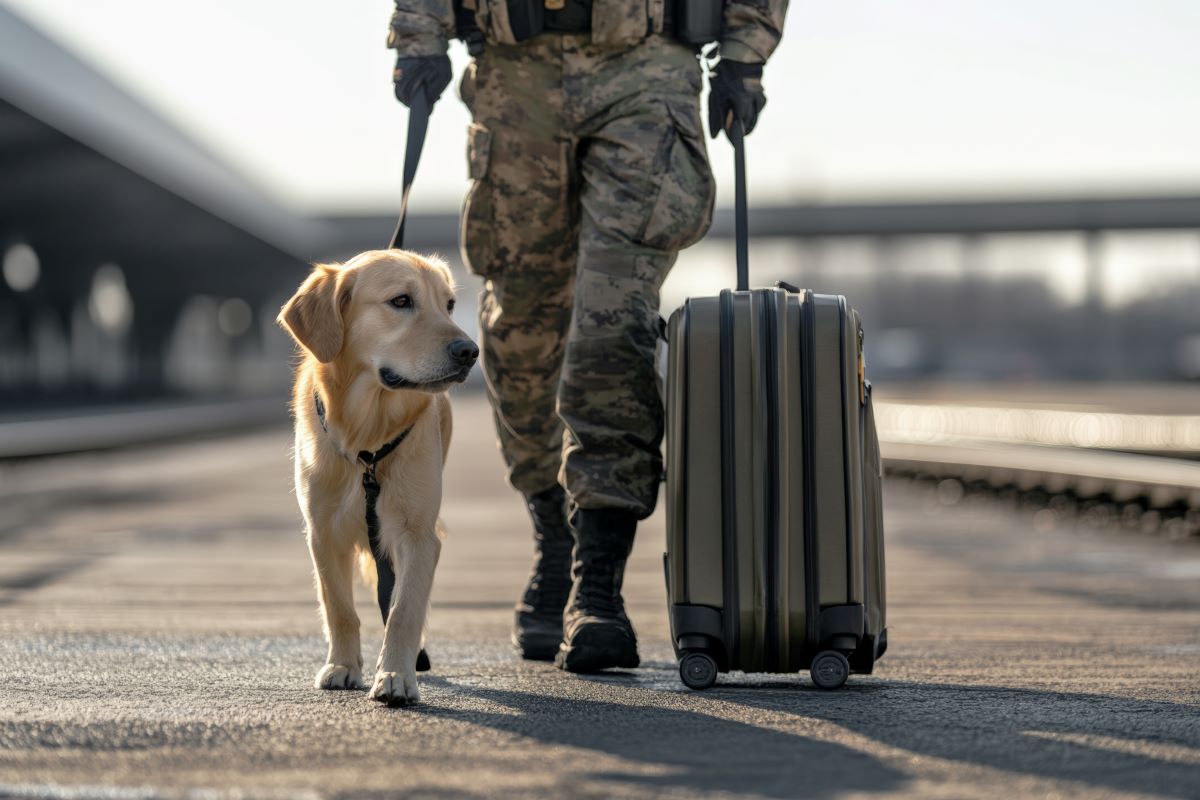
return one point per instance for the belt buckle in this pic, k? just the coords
(555, 5)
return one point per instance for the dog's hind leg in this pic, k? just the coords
(416, 556)
(334, 567)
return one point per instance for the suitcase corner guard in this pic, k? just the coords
(842, 627)
(697, 628)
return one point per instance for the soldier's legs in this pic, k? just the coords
(646, 193)
(519, 234)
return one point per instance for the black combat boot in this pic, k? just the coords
(596, 632)
(538, 628)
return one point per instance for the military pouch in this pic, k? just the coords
(467, 28)
(698, 21)
(526, 18)
(568, 16)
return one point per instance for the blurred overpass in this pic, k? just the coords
(968, 218)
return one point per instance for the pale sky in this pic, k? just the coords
(868, 99)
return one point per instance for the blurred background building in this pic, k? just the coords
(134, 262)
(1009, 195)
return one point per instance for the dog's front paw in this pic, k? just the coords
(396, 688)
(338, 676)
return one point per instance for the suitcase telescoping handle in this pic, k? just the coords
(741, 232)
(418, 124)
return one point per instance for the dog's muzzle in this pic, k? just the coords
(461, 355)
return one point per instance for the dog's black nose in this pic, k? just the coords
(463, 351)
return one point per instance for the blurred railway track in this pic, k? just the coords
(34, 434)
(1134, 471)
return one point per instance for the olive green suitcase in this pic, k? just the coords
(774, 555)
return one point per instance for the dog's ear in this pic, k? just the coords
(314, 314)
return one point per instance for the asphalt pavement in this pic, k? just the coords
(159, 635)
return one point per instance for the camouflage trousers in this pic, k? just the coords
(589, 175)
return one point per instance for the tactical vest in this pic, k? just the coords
(613, 22)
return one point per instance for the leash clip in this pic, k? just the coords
(369, 480)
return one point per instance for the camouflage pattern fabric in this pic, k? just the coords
(589, 175)
(751, 28)
(421, 27)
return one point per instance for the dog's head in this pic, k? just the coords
(386, 311)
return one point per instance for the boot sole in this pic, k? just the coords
(535, 647)
(596, 648)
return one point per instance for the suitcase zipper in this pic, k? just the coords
(683, 342)
(847, 455)
(731, 612)
(771, 561)
(808, 323)
(868, 570)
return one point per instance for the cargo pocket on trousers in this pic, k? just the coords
(683, 205)
(477, 226)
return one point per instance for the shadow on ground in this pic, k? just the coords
(688, 749)
(1093, 739)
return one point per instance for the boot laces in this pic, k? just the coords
(600, 590)
(550, 580)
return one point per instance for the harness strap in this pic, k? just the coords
(385, 580)
(385, 576)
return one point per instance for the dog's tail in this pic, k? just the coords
(366, 568)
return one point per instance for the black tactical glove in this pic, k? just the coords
(428, 74)
(735, 92)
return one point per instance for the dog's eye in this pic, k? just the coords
(450, 306)
(401, 301)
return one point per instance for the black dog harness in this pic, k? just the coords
(385, 581)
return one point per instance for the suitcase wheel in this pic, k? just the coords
(829, 669)
(698, 670)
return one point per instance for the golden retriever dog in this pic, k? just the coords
(378, 350)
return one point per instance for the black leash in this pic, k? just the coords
(418, 124)
(385, 576)
(385, 580)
